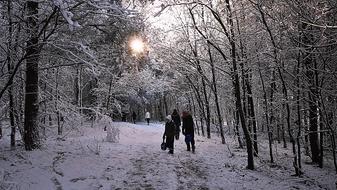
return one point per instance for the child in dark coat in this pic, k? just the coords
(169, 133)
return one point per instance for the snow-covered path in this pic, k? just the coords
(84, 160)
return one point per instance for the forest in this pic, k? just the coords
(258, 71)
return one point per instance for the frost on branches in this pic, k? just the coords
(64, 7)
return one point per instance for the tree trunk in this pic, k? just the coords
(190, 106)
(10, 72)
(251, 111)
(333, 142)
(271, 125)
(282, 128)
(216, 96)
(58, 114)
(313, 128)
(329, 122)
(310, 66)
(160, 111)
(31, 130)
(290, 131)
(0, 128)
(165, 105)
(227, 125)
(298, 95)
(237, 132)
(80, 93)
(108, 97)
(267, 117)
(321, 140)
(306, 135)
(208, 112)
(195, 113)
(201, 126)
(20, 102)
(77, 86)
(238, 93)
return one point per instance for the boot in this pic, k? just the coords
(171, 151)
(188, 147)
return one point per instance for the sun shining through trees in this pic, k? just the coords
(137, 45)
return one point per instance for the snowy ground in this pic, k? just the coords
(84, 160)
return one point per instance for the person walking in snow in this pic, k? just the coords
(134, 117)
(147, 117)
(169, 134)
(188, 130)
(177, 122)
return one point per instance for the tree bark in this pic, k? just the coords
(10, 72)
(31, 130)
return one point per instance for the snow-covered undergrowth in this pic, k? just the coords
(85, 159)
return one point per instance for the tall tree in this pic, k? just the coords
(10, 70)
(31, 125)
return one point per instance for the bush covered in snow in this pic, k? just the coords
(111, 129)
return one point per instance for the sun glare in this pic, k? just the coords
(137, 45)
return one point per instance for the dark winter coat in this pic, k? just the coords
(169, 129)
(177, 121)
(188, 125)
